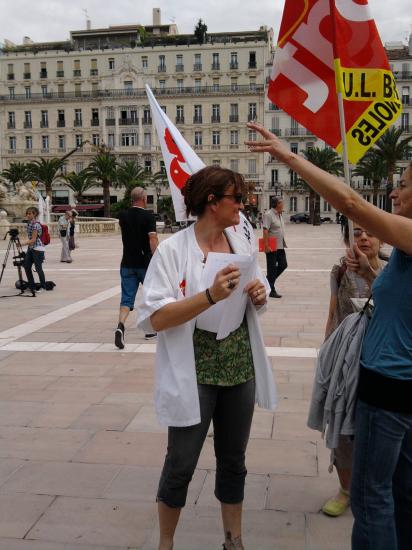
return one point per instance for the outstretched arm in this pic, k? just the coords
(392, 229)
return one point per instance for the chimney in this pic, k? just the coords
(156, 17)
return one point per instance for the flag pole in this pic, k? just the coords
(345, 157)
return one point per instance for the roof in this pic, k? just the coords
(398, 53)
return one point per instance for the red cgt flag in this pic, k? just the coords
(330, 46)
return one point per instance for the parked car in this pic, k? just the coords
(300, 218)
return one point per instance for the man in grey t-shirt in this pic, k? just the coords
(274, 226)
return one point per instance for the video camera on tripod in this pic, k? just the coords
(18, 256)
(18, 260)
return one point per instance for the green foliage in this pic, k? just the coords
(159, 181)
(165, 208)
(103, 169)
(79, 183)
(45, 171)
(16, 172)
(200, 32)
(372, 167)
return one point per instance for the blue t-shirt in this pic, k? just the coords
(387, 347)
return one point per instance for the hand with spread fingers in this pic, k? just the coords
(270, 143)
(257, 292)
(225, 282)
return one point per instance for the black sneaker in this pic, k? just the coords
(274, 294)
(150, 336)
(119, 336)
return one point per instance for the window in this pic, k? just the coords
(147, 118)
(216, 162)
(77, 89)
(78, 140)
(252, 135)
(129, 139)
(197, 114)
(44, 91)
(179, 85)
(234, 137)
(234, 165)
(252, 111)
(12, 94)
(215, 62)
(164, 108)
(95, 117)
(405, 121)
(60, 71)
(307, 204)
(29, 143)
(405, 95)
(145, 63)
(162, 167)
(10, 71)
(233, 60)
(78, 117)
(216, 138)
(27, 91)
(60, 90)
(27, 119)
(111, 63)
(148, 166)
(327, 207)
(215, 112)
(60, 118)
(162, 64)
(180, 117)
(252, 166)
(93, 67)
(43, 69)
(147, 139)
(11, 120)
(294, 147)
(293, 204)
(62, 142)
(79, 167)
(45, 143)
(128, 86)
(252, 83)
(27, 73)
(198, 139)
(12, 143)
(252, 60)
(76, 68)
(162, 84)
(215, 84)
(44, 122)
(96, 140)
(274, 176)
(110, 140)
(198, 62)
(234, 113)
(179, 62)
(198, 84)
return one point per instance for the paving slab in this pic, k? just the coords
(18, 513)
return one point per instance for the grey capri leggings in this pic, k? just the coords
(231, 409)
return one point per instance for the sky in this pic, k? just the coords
(48, 20)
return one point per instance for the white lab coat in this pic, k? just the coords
(179, 259)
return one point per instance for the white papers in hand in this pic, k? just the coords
(227, 315)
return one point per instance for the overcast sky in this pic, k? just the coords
(48, 20)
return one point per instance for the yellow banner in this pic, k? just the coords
(365, 84)
(369, 127)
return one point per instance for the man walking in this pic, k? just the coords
(139, 243)
(274, 226)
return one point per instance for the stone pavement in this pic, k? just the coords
(80, 447)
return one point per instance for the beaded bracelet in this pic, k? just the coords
(209, 298)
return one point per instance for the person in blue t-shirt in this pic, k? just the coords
(35, 251)
(381, 491)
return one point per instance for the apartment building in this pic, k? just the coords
(80, 93)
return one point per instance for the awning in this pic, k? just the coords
(79, 207)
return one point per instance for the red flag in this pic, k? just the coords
(327, 46)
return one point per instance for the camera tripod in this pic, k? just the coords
(18, 254)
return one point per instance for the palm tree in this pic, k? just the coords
(79, 183)
(16, 172)
(103, 169)
(372, 167)
(391, 148)
(159, 181)
(328, 160)
(129, 175)
(46, 171)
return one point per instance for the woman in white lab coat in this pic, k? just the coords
(200, 378)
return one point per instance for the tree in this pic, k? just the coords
(159, 181)
(372, 167)
(130, 174)
(165, 207)
(15, 173)
(200, 32)
(391, 148)
(103, 168)
(328, 160)
(46, 171)
(79, 183)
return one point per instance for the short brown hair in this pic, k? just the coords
(33, 210)
(211, 180)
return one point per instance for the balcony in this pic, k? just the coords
(215, 118)
(77, 123)
(110, 121)
(273, 107)
(43, 73)
(252, 65)
(215, 147)
(276, 131)
(233, 118)
(179, 68)
(297, 132)
(197, 67)
(28, 150)
(161, 69)
(59, 74)
(94, 122)
(27, 76)
(11, 151)
(180, 120)
(197, 119)
(234, 65)
(215, 66)
(234, 146)
(44, 124)
(251, 117)
(11, 125)
(403, 75)
(27, 124)
(10, 76)
(45, 150)
(94, 72)
(147, 120)
(61, 123)
(129, 121)
(77, 72)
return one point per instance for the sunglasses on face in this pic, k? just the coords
(237, 197)
(358, 233)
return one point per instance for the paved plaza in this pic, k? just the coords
(80, 447)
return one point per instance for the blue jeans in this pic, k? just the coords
(381, 493)
(130, 277)
(35, 257)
